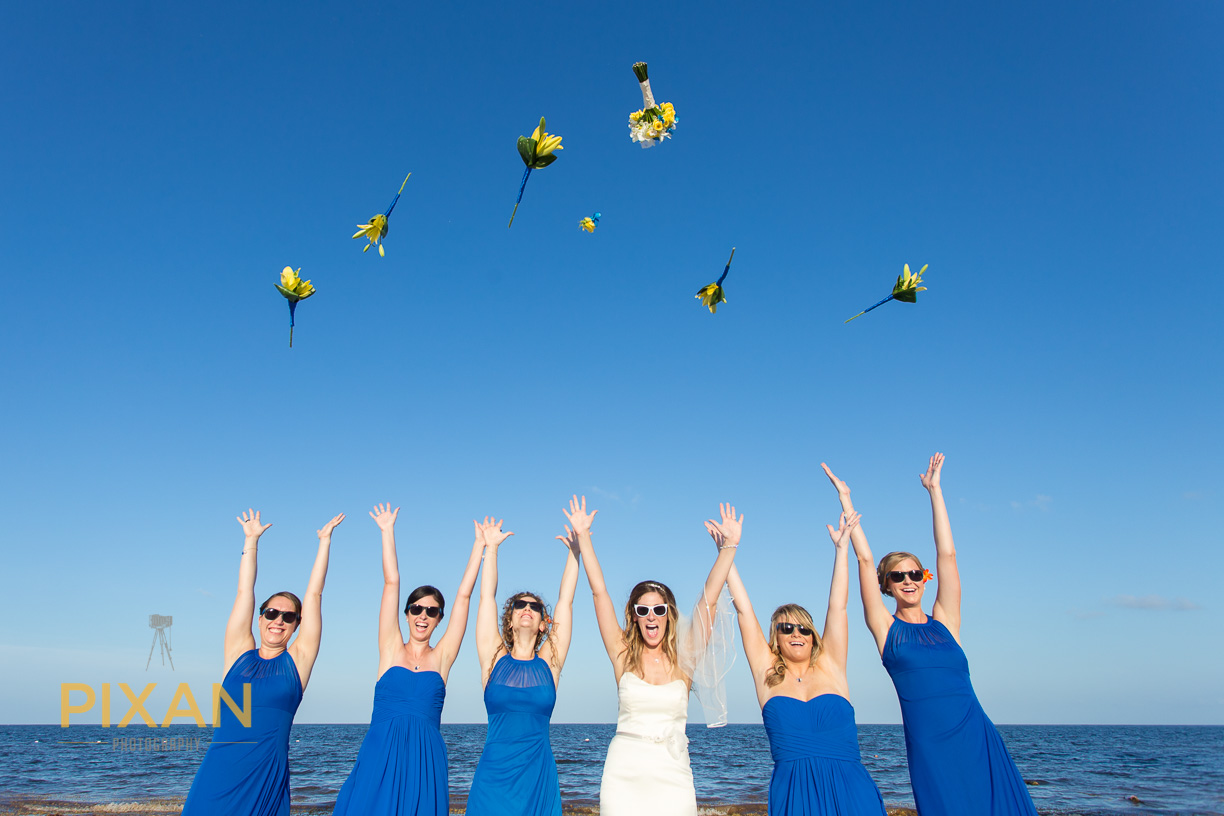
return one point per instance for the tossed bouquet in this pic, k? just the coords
(653, 123)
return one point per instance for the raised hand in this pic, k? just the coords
(726, 533)
(845, 526)
(492, 532)
(384, 516)
(251, 525)
(930, 479)
(570, 539)
(842, 488)
(329, 526)
(579, 517)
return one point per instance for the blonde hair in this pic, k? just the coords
(632, 633)
(887, 563)
(507, 628)
(799, 615)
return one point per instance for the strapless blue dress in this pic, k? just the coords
(517, 775)
(958, 764)
(245, 771)
(401, 767)
(818, 770)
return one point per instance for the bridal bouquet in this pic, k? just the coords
(653, 123)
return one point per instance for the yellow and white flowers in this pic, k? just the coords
(653, 123)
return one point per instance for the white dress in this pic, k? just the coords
(647, 769)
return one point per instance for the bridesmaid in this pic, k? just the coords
(958, 763)
(401, 767)
(521, 664)
(647, 770)
(246, 768)
(801, 685)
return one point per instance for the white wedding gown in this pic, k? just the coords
(647, 770)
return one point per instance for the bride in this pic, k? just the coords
(658, 657)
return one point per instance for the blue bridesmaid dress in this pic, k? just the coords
(246, 770)
(517, 775)
(958, 763)
(818, 770)
(401, 767)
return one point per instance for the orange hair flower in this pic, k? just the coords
(927, 576)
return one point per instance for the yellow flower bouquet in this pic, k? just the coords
(376, 230)
(712, 294)
(536, 151)
(294, 289)
(905, 290)
(653, 123)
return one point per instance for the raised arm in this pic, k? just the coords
(879, 619)
(756, 645)
(238, 637)
(390, 635)
(726, 534)
(488, 636)
(836, 636)
(306, 647)
(563, 614)
(948, 594)
(605, 609)
(448, 646)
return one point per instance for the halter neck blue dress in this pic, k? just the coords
(517, 775)
(401, 767)
(818, 770)
(246, 770)
(958, 763)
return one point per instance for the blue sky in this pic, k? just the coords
(1057, 165)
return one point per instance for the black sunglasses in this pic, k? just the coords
(789, 629)
(431, 611)
(273, 614)
(897, 576)
(642, 610)
(523, 603)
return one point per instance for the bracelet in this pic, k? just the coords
(727, 546)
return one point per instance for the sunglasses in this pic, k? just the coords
(273, 614)
(431, 611)
(897, 576)
(535, 606)
(642, 610)
(789, 629)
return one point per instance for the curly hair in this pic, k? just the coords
(799, 615)
(886, 565)
(632, 634)
(507, 628)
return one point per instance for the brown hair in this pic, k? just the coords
(887, 563)
(293, 599)
(799, 615)
(632, 634)
(507, 628)
(424, 591)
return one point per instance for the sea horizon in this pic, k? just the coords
(1085, 770)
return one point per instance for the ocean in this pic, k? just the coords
(1096, 770)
